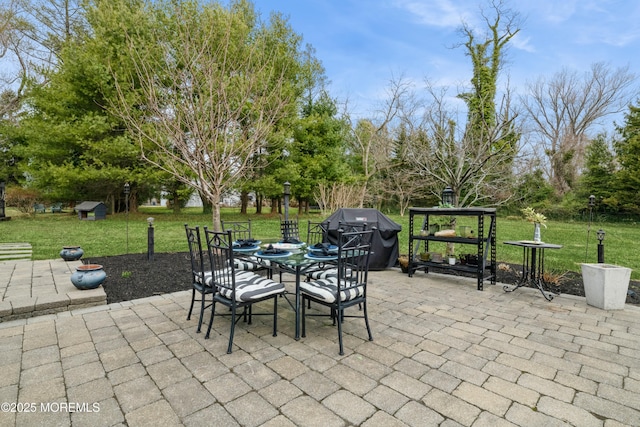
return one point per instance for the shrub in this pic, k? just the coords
(22, 199)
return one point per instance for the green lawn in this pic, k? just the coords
(48, 232)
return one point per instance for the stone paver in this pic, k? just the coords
(444, 354)
(35, 288)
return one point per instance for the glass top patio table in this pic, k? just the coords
(296, 263)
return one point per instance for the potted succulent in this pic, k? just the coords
(469, 259)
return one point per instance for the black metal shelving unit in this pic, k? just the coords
(484, 241)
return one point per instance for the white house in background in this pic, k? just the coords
(194, 201)
(230, 199)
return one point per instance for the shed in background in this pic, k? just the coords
(91, 210)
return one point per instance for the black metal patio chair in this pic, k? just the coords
(237, 290)
(348, 288)
(241, 235)
(290, 230)
(200, 276)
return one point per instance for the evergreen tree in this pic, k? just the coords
(318, 147)
(599, 174)
(75, 148)
(627, 179)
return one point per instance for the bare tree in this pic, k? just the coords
(475, 155)
(403, 185)
(402, 181)
(372, 139)
(471, 162)
(210, 96)
(336, 196)
(32, 33)
(14, 60)
(563, 110)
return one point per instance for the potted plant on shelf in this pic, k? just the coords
(403, 260)
(451, 254)
(537, 219)
(469, 259)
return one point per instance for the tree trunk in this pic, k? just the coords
(176, 203)
(258, 204)
(215, 218)
(111, 202)
(215, 215)
(206, 207)
(133, 202)
(244, 201)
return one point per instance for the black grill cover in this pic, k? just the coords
(385, 240)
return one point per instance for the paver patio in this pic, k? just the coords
(443, 354)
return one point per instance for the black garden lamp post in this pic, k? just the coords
(150, 239)
(448, 197)
(591, 205)
(127, 190)
(600, 233)
(2, 211)
(287, 193)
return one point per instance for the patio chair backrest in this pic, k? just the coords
(350, 229)
(196, 254)
(352, 226)
(354, 252)
(290, 230)
(316, 233)
(220, 250)
(240, 230)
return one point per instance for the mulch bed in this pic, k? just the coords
(133, 276)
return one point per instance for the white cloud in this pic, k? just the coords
(438, 13)
(523, 43)
(552, 11)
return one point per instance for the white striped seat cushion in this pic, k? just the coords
(250, 263)
(252, 287)
(207, 278)
(326, 273)
(326, 290)
(323, 274)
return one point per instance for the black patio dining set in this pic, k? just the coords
(232, 272)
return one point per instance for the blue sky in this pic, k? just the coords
(364, 43)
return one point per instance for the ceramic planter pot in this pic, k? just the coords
(464, 231)
(606, 285)
(71, 253)
(403, 261)
(88, 276)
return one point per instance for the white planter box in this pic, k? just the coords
(606, 285)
